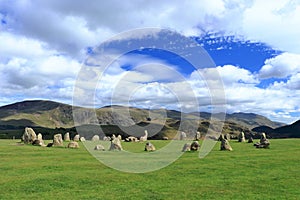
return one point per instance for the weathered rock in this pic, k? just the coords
(250, 140)
(39, 136)
(149, 147)
(99, 147)
(29, 135)
(73, 145)
(40, 139)
(82, 139)
(50, 144)
(263, 138)
(67, 137)
(195, 146)
(241, 137)
(106, 138)
(186, 147)
(131, 139)
(225, 146)
(57, 140)
(38, 143)
(144, 137)
(182, 135)
(115, 145)
(95, 138)
(165, 138)
(76, 138)
(263, 143)
(197, 136)
(120, 137)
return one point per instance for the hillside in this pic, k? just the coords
(288, 131)
(249, 120)
(51, 117)
(37, 113)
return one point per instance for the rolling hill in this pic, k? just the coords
(288, 131)
(51, 117)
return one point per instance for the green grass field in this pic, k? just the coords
(30, 172)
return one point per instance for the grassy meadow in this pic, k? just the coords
(31, 172)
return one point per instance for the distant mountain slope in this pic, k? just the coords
(252, 120)
(37, 113)
(53, 116)
(249, 120)
(288, 131)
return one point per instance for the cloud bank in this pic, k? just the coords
(43, 44)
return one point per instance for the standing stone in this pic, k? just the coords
(76, 138)
(263, 138)
(120, 137)
(40, 140)
(225, 146)
(95, 138)
(57, 140)
(241, 137)
(99, 147)
(186, 147)
(73, 145)
(182, 135)
(195, 146)
(250, 140)
(144, 137)
(67, 137)
(197, 136)
(115, 145)
(106, 138)
(149, 147)
(82, 139)
(263, 143)
(29, 136)
(39, 136)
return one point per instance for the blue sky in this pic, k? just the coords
(254, 44)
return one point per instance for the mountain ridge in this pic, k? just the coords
(53, 115)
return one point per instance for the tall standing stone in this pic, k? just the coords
(197, 136)
(57, 140)
(67, 137)
(29, 136)
(76, 138)
(40, 137)
(115, 145)
(241, 137)
(225, 146)
(120, 137)
(144, 137)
